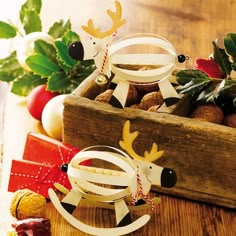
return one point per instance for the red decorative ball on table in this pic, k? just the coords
(37, 99)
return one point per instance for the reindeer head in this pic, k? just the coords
(97, 47)
(149, 173)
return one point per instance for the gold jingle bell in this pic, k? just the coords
(101, 79)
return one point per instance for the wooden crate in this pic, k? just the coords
(203, 154)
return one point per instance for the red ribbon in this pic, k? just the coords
(141, 194)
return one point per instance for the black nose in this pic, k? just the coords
(168, 178)
(76, 51)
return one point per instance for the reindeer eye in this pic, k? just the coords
(150, 167)
(94, 43)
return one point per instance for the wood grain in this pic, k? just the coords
(190, 25)
(205, 169)
(173, 216)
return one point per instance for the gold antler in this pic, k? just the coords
(127, 145)
(116, 19)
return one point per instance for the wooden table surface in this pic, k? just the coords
(190, 26)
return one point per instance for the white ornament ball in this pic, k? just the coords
(52, 117)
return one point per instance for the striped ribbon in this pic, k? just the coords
(105, 58)
(141, 194)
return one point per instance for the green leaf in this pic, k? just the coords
(226, 96)
(59, 28)
(70, 37)
(34, 5)
(185, 76)
(222, 93)
(228, 89)
(222, 59)
(63, 55)
(68, 83)
(191, 81)
(83, 70)
(210, 93)
(42, 65)
(46, 49)
(230, 45)
(10, 75)
(80, 72)
(7, 31)
(5, 76)
(58, 82)
(25, 83)
(10, 68)
(194, 86)
(63, 66)
(9, 63)
(31, 21)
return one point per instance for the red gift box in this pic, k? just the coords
(41, 148)
(42, 163)
(38, 177)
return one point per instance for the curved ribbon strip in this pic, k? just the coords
(79, 178)
(147, 76)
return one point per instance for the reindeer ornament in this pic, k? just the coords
(111, 188)
(97, 47)
(107, 59)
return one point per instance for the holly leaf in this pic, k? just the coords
(64, 67)
(7, 31)
(222, 59)
(9, 76)
(58, 29)
(9, 63)
(42, 65)
(230, 45)
(185, 76)
(70, 37)
(221, 93)
(63, 55)
(210, 93)
(25, 83)
(191, 81)
(228, 89)
(83, 70)
(31, 21)
(58, 82)
(10, 68)
(68, 83)
(46, 49)
(5, 76)
(30, 5)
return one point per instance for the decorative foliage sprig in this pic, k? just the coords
(49, 63)
(211, 81)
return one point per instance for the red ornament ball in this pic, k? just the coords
(37, 99)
